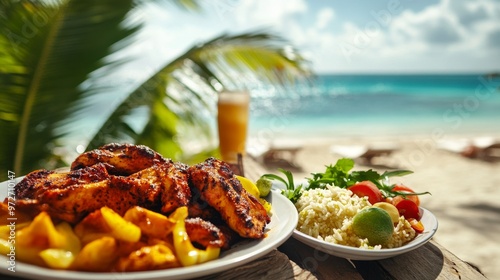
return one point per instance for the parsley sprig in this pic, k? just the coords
(340, 175)
(291, 191)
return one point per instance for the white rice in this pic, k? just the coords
(327, 214)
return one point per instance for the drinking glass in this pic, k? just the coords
(232, 122)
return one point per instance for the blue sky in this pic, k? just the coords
(357, 36)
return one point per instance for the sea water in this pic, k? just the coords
(379, 105)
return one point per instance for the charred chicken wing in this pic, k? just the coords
(40, 181)
(120, 159)
(205, 233)
(223, 191)
(172, 179)
(72, 203)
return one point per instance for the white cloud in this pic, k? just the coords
(446, 36)
(446, 26)
(450, 35)
(274, 13)
(324, 17)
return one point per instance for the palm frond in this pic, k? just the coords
(47, 49)
(183, 93)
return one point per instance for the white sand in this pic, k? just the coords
(465, 192)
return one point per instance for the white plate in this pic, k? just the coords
(430, 227)
(428, 220)
(283, 222)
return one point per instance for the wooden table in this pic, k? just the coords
(294, 260)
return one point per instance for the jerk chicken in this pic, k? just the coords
(120, 159)
(224, 192)
(121, 176)
(70, 197)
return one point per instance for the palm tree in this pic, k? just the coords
(53, 53)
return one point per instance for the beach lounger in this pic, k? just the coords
(277, 154)
(483, 148)
(365, 152)
(453, 145)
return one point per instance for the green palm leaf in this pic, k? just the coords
(47, 49)
(182, 94)
(54, 52)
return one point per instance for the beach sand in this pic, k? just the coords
(465, 192)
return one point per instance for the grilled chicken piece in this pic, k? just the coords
(40, 181)
(71, 196)
(205, 233)
(222, 190)
(73, 203)
(19, 216)
(120, 159)
(197, 207)
(173, 181)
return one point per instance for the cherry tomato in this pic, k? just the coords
(405, 189)
(406, 208)
(416, 225)
(395, 200)
(368, 189)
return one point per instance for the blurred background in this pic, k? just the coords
(78, 75)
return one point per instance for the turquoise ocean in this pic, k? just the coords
(379, 105)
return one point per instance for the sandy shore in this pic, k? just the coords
(465, 192)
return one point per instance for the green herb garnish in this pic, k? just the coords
(340, 175)
(291, 192)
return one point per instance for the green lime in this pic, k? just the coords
(374, 224)
(264, 185)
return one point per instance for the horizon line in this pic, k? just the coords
(496, 73)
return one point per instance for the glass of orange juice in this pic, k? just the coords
(232, 122)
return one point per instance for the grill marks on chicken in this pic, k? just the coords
(40, 181)
(120, 159)
(206, 234)
(121, 176)
(72, 203)
(173, 179)
(161, 187)
(222, 190)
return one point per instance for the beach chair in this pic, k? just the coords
(492, 152)
(277, 154)
(367, 152)
(483, 148)
(453, 145)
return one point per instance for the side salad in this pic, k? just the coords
(375, 186)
